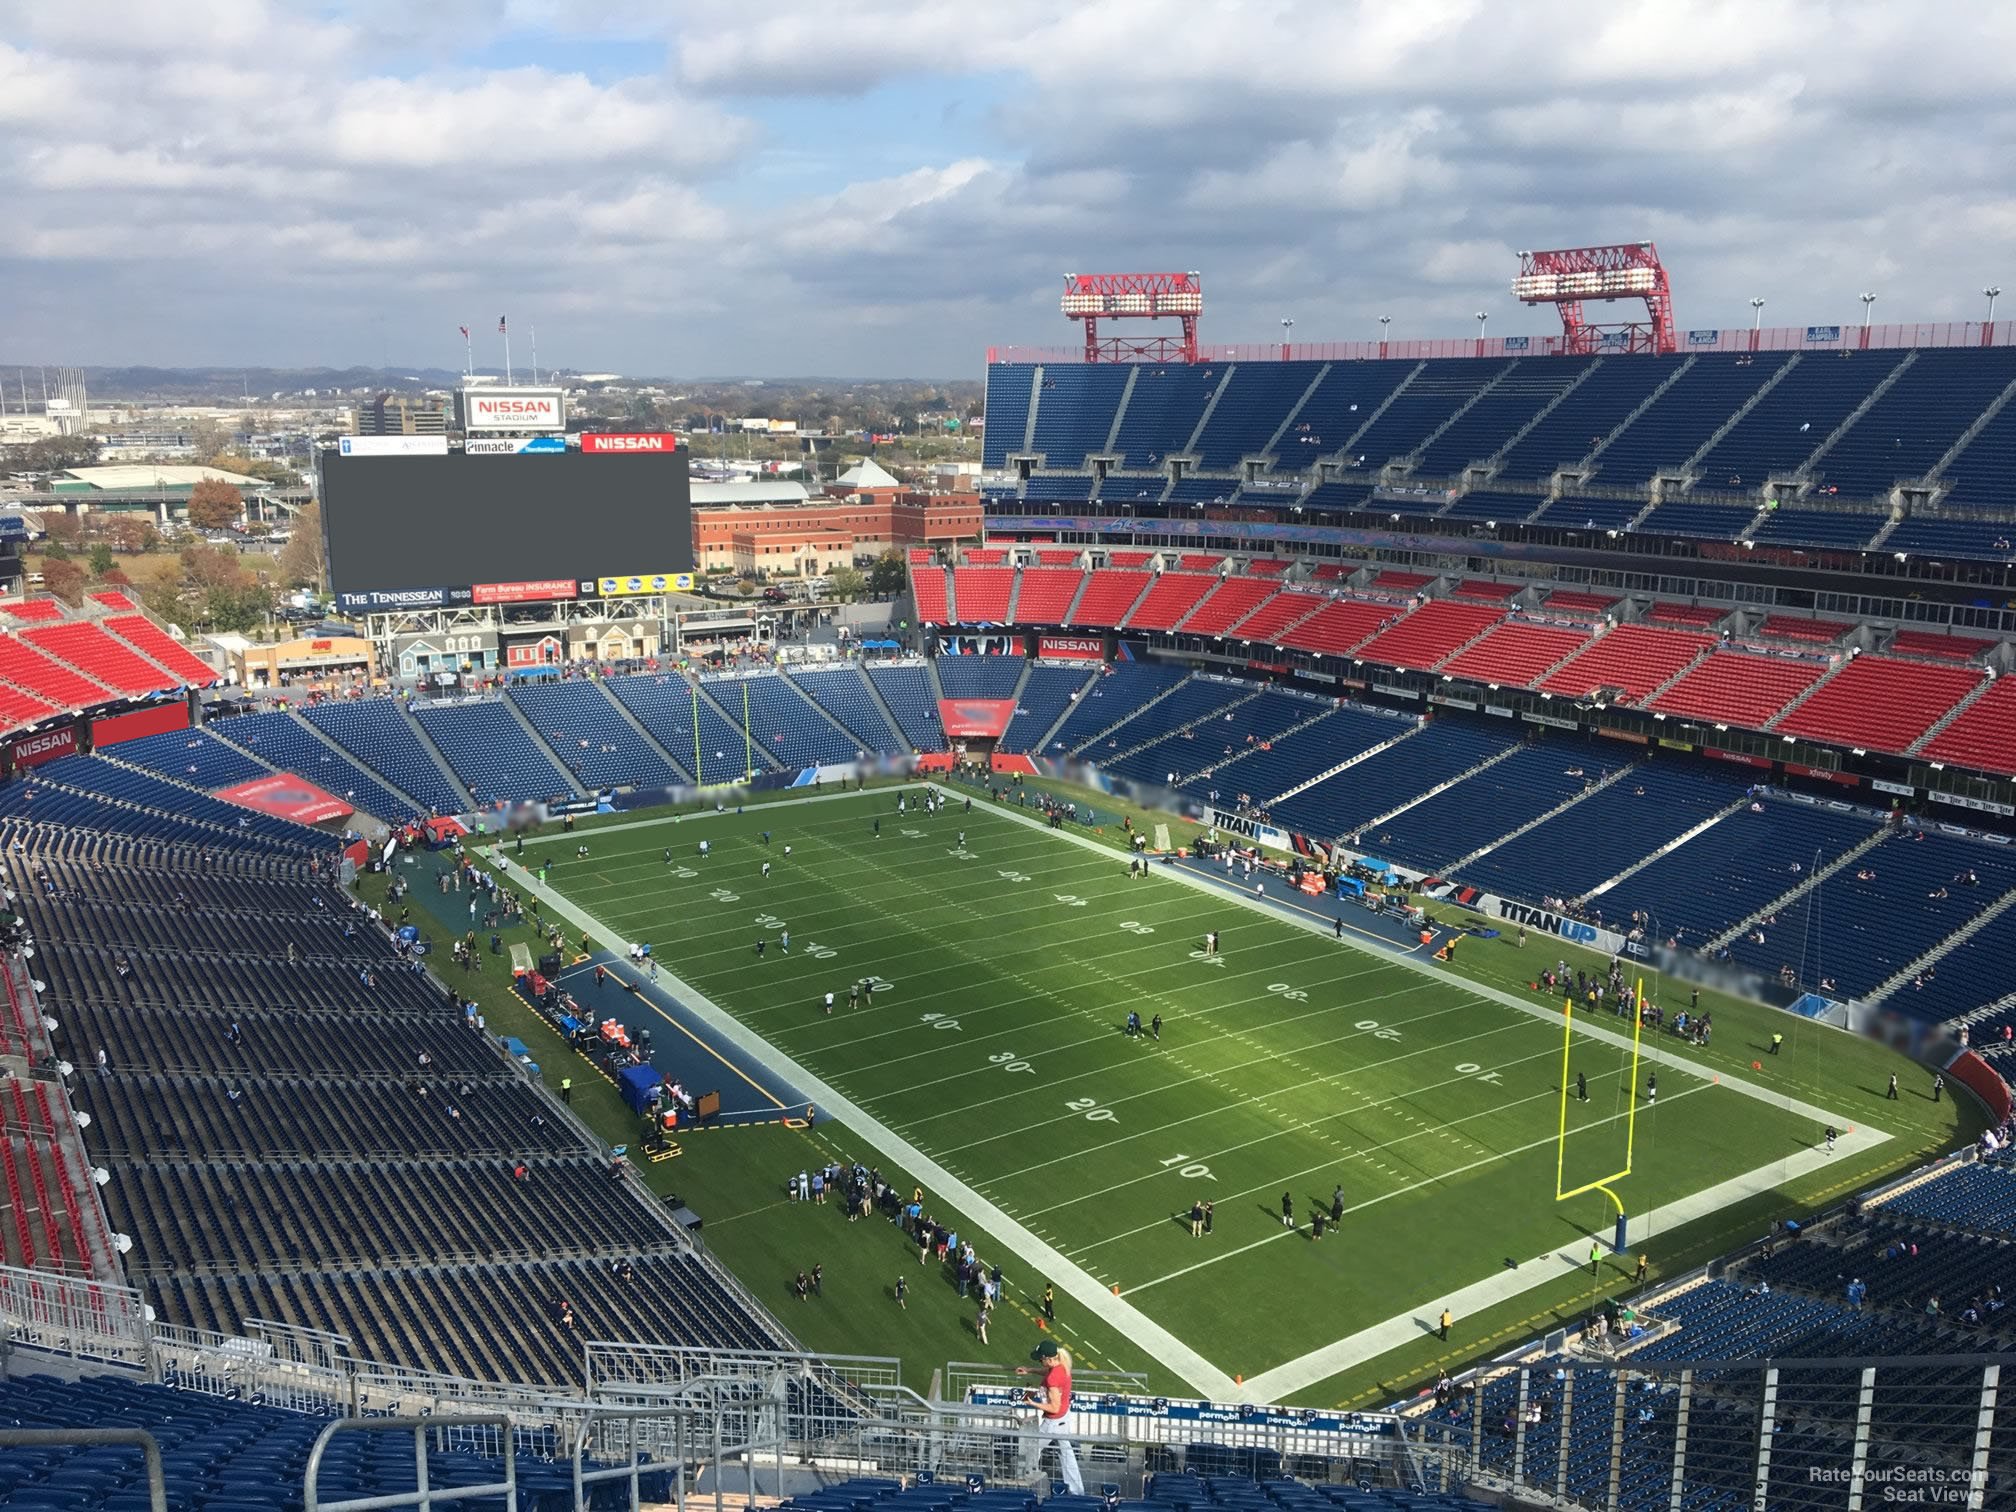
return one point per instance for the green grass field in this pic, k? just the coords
(1292, 1062)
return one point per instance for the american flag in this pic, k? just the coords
(465, 332)
(501, 328)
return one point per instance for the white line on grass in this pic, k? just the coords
(1157, 1342)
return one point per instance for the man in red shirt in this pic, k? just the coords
(1053, 1403)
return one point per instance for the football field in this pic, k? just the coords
(996, 974)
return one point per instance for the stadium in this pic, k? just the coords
(1235, 927)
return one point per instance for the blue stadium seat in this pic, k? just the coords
(1788, 424)
(908, 693)
(666, 705)
(1075, 405)
(1528, 388)
(592, 738)
(492, 755)
(377, 732)
(842, 693)
(980, 676)
(1580, 422)
(1051, 690)
(196, 757)
(282, 741)
(1339, 805)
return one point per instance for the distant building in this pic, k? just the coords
(402, 415)
(773, 526)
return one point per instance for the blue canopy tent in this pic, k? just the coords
(637, 1084)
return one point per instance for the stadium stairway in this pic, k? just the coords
(1208, 711)
(908, 736)
(1345, 765)
(544, 747)
(1793, 894)
(1743, 797)
(1939, 725)
(1848, 422)
(1132, 712)
(1944, 948)
(845, 684)
(1555, 812)
(1441, 787)
(1317, 714)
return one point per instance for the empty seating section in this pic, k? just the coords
(1481, 430)
(285, 743)
(378, 733)
(841, 692)
(42, 611)
(1905, 432)
(1042, 701)
(17, 708)
(980, 594)
(1939, 647)
(1699, 403)
(1201, 491)
(1430, 634)
(174, 800)
(1108, 597)
(1164, 408)
(1819, 527)
(1972, 975)
(907, 692)
(1341, 405)
(1984, 734)
(666, 706)
(1986, 540)
(1881, 913)
(1712, 522)
(1231, 601)
(113, 599)
(1059, 488)
(1592, 841)
(31, 671)
(1437, 753)
(1115, 696)
(1056, 556)
(1129, 558)
(1008, 391)
(193, 756)
(1044, 595)
(1580, 605)
(1788, 424)
(1256, 398)
(1589, 514)
(1694, 616)
(1980, 1196)
(1258, 776)
(980, 676)
(98, 656)
(492, 755)
(1339, 627)
(591, 737)
(1441, 830)
(988, 556)
(159, 646)
(1738, 865)
(1484, 504)
(35, 798)
(1880, 705)
(1515, 654)
(927, 585)
(1577, 425)
(1637, 659)
(1979, 476)
(1286, 608)
(1189, 561)
(1189, 702)
(1486, 591)
(1075, 405)
(1269, 566)
(1441, 387)
(1173, 595)
(783, 722)
(1734, 688)
(1392, 580)
(1803, 631)
(1335, 498)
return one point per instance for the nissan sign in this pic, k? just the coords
(33, 750)
(644, 441)
(513, 409)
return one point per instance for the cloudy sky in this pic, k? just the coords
(853, 187)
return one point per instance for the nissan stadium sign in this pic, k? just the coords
(513, 409)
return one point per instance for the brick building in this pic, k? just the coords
(775, 527)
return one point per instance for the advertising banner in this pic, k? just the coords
(645, 582)
(523, 593)
(285, 796)
(33, 750)
(155, 721)
(393, 446)
(629, 441)
(1703, 338)
(514, 446)
(1823, 333)
(1071, 647)
(1249, 829)
(964, 717)
(403, 598)
(513, 409)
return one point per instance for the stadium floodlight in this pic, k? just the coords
(1093, 297)
(1994, 292)
(1756, 314)
(1867, 301)
(1566, 277)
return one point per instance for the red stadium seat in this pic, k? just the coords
(1880, 705)
(1636, 658)
(1430, 634)
(1734, 688)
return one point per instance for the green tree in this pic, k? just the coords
(214, 505)
(54, 550)
(133, 533)
(846, 584)
(238, 607)
(890, 573)
(101, 559)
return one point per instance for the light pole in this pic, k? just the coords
(1868, 300)
(1385, 321)
(1994, 292)
(1287, 329)
(1482, 316)
(1756, 322)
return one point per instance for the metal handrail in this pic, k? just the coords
(424, 1497)
(48, 1438)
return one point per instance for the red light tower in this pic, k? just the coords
(1632, 271)
(1093, 297)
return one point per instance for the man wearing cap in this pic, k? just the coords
(1052, 1403)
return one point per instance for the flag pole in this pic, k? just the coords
(468, 354)
(535, 354)
(504, 329)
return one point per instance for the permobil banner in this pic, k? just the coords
(644, 582)
(1071, 647)
(629, 441)
(33, 750)
(965, 717)
(158, 720)
(513, 409)
(392, 446)
(285, 796)
(523, 593)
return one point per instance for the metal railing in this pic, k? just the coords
(424, 1496)
(87, 1438)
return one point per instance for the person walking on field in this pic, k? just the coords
(1287, 1210)
(1446, 1321)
